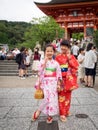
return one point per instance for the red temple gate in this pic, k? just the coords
(73, 15)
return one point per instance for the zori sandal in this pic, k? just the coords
(49, 120)
(69, 114)
(63, 118)
(36, 115)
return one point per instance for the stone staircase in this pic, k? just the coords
(10, 68)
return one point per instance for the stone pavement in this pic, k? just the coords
(17, 105)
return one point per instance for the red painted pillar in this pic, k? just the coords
(84, 29)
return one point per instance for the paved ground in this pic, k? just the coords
(96, 83)
(17, 105)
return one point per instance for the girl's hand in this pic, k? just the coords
(46, 59)
(38, 87)
(69, 54)
(45, 62)
(58, 88)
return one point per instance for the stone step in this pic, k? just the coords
(7, 60)
(11, 67)
(8, 63)
(11, 71)
(11, 74)
(8, 66)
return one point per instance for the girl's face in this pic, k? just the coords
(49, 52)
(64, 49)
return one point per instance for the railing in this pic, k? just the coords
(78, 18)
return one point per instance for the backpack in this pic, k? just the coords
(18, 58)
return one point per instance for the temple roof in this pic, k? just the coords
(53, 2)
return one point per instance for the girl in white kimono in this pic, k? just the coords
(50, 78)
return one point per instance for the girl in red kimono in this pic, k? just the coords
(69, 67)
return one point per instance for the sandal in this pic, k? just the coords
(49, 120)
(36, 115)
(63, 118)
(69, 114)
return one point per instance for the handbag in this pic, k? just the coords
(39, 94)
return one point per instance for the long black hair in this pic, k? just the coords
(89, 46)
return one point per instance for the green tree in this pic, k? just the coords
(95, 35)
(12, 33)
(78, 36)
(3, 33)
(44, 30)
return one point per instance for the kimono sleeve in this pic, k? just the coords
(73, 63)
(58, 71)
(41, 70)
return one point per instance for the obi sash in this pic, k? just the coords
(64, 69)
(50, 72)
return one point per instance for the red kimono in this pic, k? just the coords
(69, 69)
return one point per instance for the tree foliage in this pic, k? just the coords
(19, 34)
(44, 30)
(12, 33)
(95, 35)
(77, 36)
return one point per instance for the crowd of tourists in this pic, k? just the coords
(86, 55)
(8, 55)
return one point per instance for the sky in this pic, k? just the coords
(20, 10)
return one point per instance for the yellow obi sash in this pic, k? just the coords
(50, 72)
(64, 67)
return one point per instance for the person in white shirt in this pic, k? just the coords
(30, 52)
(3, 54)
(81, 69)
(58, 46)
(41, 54)
(15, 52)
(89, 63)
(75, 50)
(94, 74)
(28, 59)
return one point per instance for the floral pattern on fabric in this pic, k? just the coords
(49, 104)
(69, 75)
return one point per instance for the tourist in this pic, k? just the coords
(15, 52)
(89, 63)
(75, 49)
(69, 67)
(22, 66)
(41, 54)
(81, 69)
(3, 54)
(49, 77)
(36, 60)
(30, 52)
(28, 59)
(94, 71)
(58, 45)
